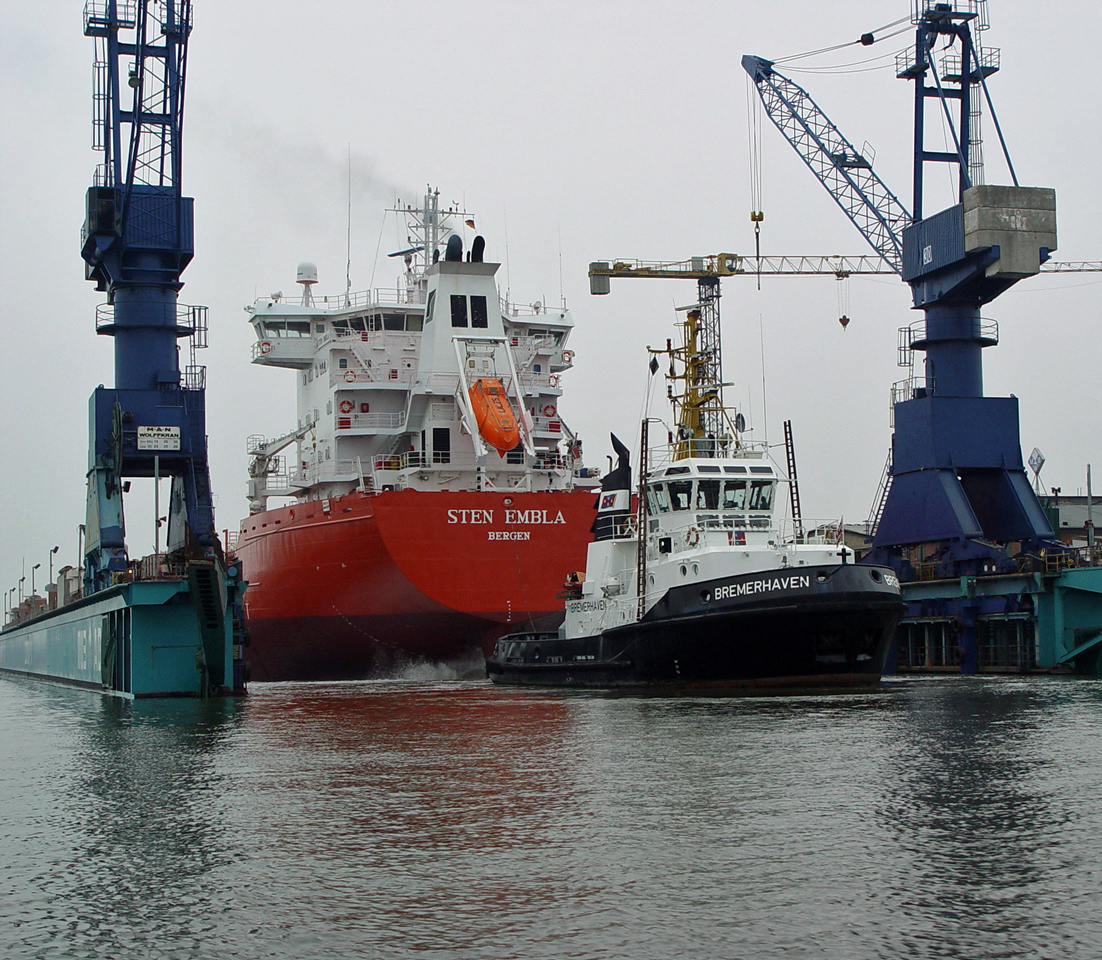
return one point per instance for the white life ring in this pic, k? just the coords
(549, 410)
(568, 356)
(346, 406)
(553, 380)
(692, 537)
(265, 346)
(349, 376)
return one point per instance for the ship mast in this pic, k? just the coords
(429, 229)
(704, 428)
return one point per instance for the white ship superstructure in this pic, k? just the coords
(385, 378)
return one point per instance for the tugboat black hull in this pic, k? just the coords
(812, 628)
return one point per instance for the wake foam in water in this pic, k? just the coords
(469, 667)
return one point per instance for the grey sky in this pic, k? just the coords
(587, 131)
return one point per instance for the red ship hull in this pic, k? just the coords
(363, 585)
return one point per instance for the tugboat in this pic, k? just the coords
(698, 582)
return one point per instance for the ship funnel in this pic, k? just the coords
(455, 248)
(478, 248)
(614, 500)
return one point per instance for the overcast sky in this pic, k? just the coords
(573, 132)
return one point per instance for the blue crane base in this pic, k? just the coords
(957, 474)
(1045, 618)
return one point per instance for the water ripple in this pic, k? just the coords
(413, 819)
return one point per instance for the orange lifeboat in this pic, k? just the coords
(493, 414)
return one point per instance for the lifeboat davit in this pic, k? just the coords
(494, 416)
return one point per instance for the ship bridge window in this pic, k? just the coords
(761, 469)
(459, 310)
(681, 494)
(390, 321)
(428, 306)
(734, 494)
(707, 495)
(659, 498)
(672, 470)
(761, 494)
(319, 328)
(289, 328)
(479, 316)
(413, 322)
(734, 469)
(708, 469)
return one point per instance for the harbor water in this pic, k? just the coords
(954, 817)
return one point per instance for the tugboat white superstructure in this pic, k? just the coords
(700, 582)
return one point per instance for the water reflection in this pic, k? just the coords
(135, 830)
(399, 806)
(977, 817)
(459, 820)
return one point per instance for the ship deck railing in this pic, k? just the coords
(403, 296)
(353, 300)
(664, 454)
(700, 529)
(159, 567)
(373, 422)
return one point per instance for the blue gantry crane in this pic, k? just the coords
(169, 623)
(958, 509)
(137, 240)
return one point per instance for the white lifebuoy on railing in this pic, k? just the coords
(349, 376)
(553, 380)
(692, 537)
(549, 410)
(265, 346)
(346, 406)
(568, 356)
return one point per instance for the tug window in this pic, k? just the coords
(707, 495)
(761, 494)
(681, 493)
(459, 310)
(734, 494)
(661, 499)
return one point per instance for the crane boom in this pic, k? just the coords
(847, 175)
(736, 265)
